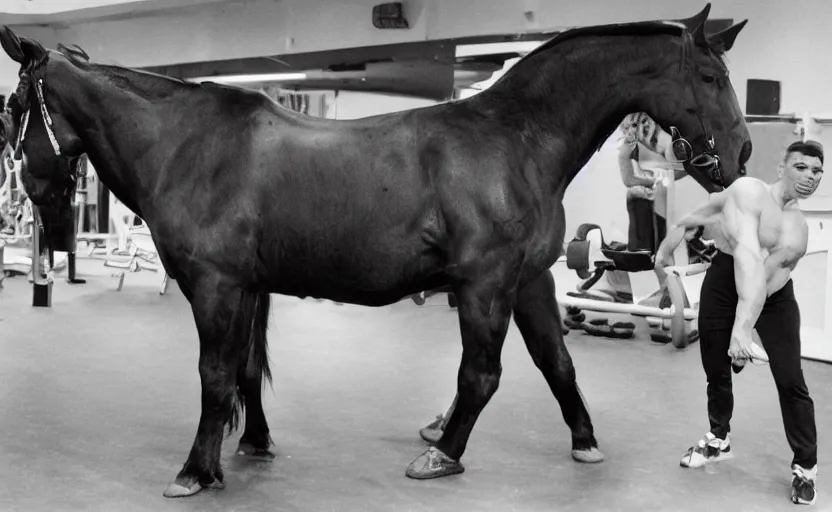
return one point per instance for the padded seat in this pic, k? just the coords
(587, 252)
(590, 255)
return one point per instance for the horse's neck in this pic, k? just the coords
(119, 151)
(577, 102)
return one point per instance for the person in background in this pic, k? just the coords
(643, 164)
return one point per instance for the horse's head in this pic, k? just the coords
(37, 128)
(696, 103)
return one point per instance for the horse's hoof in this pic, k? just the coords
(177, 490)
(433, 464)
(431, 435)
(590, 456)
(245, 449)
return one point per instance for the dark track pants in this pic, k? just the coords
(779, 330)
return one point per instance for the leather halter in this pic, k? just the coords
(47, 122)
(50, 132)
(706, 161)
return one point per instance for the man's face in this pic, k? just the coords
(803, 173)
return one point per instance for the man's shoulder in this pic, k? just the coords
(747, 191)
(747, 185)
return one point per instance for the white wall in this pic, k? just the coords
(352, 105)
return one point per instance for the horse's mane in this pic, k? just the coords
(616, 29)
(148, 84)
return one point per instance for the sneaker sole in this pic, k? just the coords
(798, 501)
(704, 462)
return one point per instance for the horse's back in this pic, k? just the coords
(340, 207)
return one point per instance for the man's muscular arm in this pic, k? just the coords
(704, 215)
(741, 226)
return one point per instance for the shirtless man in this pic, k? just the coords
(761, 235)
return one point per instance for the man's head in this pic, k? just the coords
(802, 168)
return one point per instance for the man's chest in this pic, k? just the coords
(783, 234)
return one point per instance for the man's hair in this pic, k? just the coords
(809, 148)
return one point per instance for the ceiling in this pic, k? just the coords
(41, 12)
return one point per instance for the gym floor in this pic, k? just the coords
(100, 402)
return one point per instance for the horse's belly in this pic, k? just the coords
(361, 273)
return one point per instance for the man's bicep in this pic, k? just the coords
(704, 214)
(741, 227)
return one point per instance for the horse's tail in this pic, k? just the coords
(254, 365)
(258, 366)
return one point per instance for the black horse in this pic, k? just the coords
(245, 198)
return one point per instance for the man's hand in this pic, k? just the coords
(743, 349)
(664, 254)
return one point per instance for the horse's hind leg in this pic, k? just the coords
(538, 318)
(256, 441)
(223, 313)
(484, 315)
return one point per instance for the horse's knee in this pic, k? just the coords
(481, 380)
(218, 384)
(565, 373)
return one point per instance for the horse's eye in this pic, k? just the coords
(708, 79)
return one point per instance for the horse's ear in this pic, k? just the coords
(699, 37)
(24, 51)
(73, 51)
(12, 46)
(724, 40)
(698, 20)
(33, 51)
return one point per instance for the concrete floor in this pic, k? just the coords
(100, 401)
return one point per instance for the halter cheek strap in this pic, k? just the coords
(707, 160)
(47, 122)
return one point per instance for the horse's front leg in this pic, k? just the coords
(537, 316)
(484, 315)
(224, 328)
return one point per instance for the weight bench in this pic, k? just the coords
(590, 256)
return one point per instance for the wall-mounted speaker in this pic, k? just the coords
(762, 97)
(389, 15)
